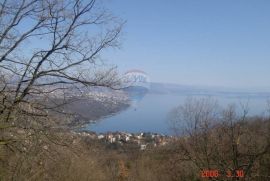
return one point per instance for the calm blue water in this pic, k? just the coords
(151, 113)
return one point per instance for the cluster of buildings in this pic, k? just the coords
(101, 95)
(143, 140)
(109, 97)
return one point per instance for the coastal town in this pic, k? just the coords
(142, 140)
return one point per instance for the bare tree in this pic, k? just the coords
(49, 46)
(49, 49)
(219, 140)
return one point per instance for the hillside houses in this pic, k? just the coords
(143, 140)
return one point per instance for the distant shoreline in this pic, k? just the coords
(88, 111)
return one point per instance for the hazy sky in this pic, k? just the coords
(197, 42)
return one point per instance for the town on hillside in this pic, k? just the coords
(143, 140)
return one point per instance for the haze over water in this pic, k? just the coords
(151, 113)
(213, 43)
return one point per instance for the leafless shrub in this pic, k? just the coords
(48, 48)
(219, 139)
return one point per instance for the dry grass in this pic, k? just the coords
(61, 155)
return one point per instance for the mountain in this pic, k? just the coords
(167, 88)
